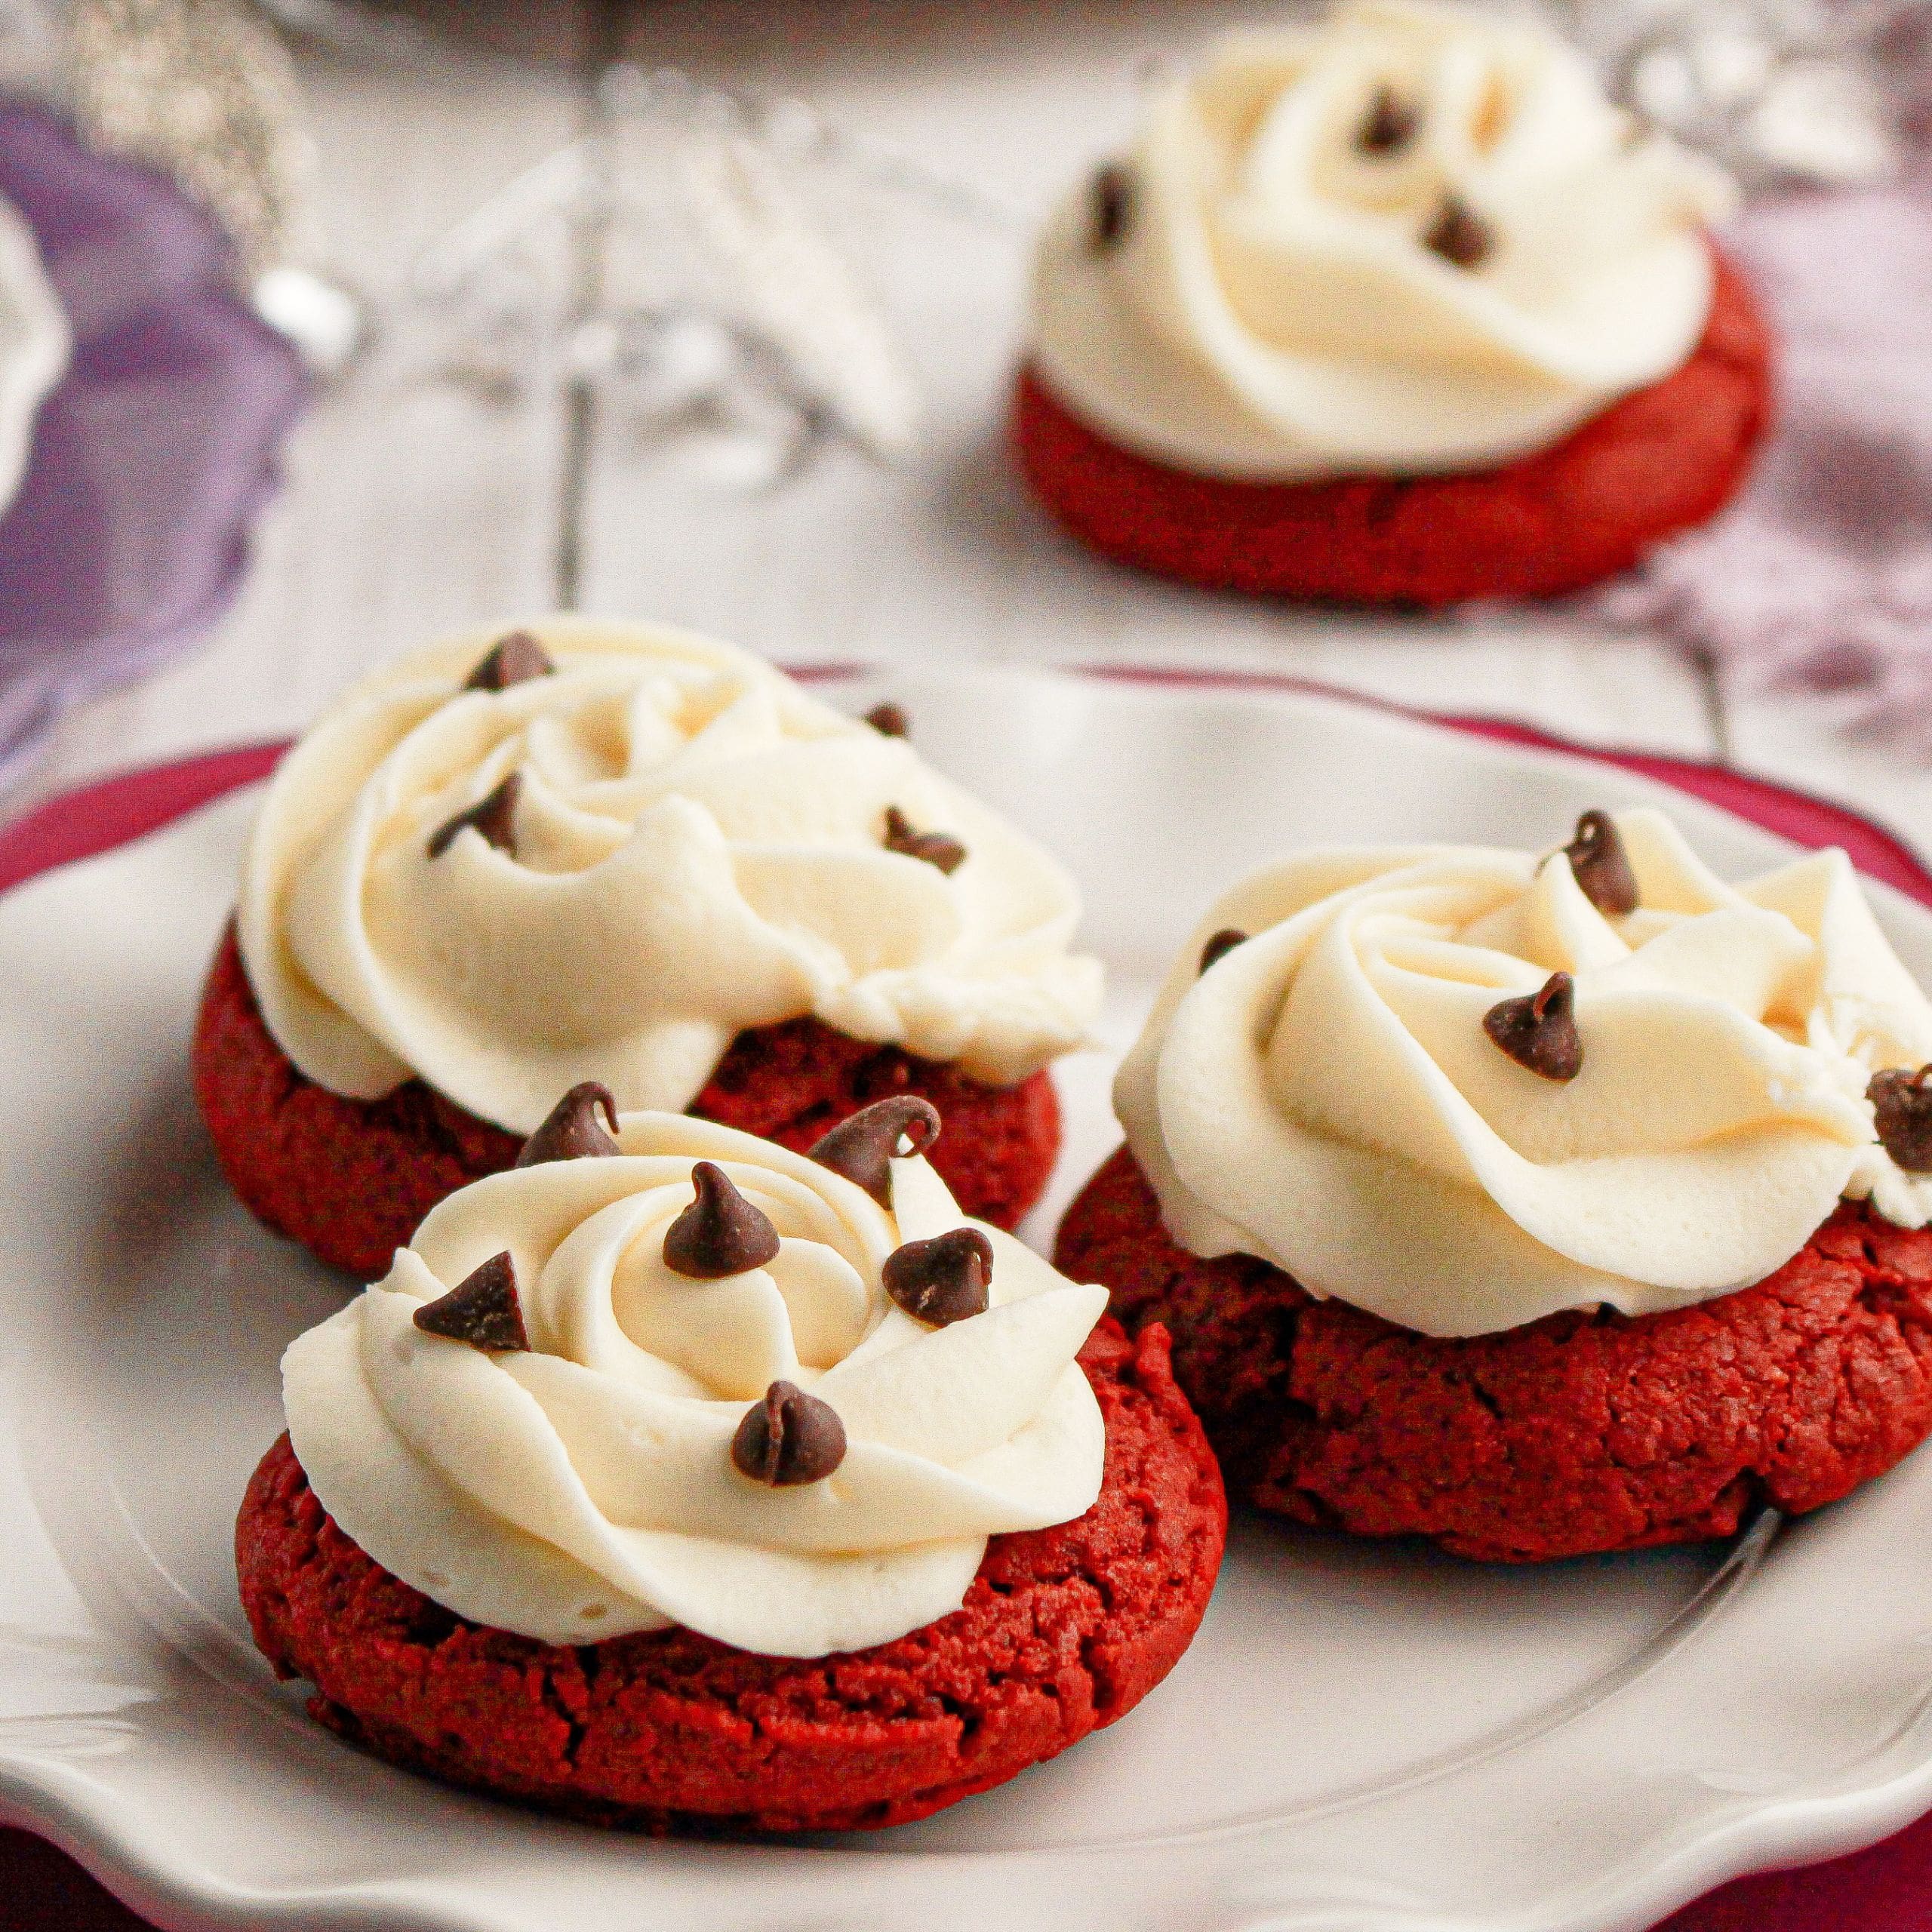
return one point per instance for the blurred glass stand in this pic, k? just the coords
(719, 271)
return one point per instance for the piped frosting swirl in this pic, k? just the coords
(605, 869)
(1409, 239)
(620, 1471)
(1361, 1090)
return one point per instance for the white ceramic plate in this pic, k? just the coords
(1362, 1740)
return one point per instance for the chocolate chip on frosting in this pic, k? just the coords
(1390, 124)
(571, 1132)
(1218, 948)
(1902, 1103)
(1110, 206)
(889, 720)
(936, 848)
(720, 1233)
(494, 816)
(1538, 1030)
(862, 1148)
(788, 1438)
(1459, 234)
(943, 1280)
(483, 1309)
(1602, 866)
(513, 660)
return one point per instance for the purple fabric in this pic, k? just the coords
(1821, 574)
(150, 459)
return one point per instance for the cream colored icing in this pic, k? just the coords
(698, 850)
(1272, 310)
(584, 1488)
(1325, 1096)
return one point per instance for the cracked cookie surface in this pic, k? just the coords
(1063, 1630)
(1579, 1433)
(351, 1179)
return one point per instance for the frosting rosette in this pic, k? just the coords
(607, 863)
(587, 1484)
(1348, 1091)
(1407, 239)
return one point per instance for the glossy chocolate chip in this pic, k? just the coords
(494, 816)
(1539, 1030)
(1459, 235)
(1902, 1103)
(1110, 206)
(935, 848)
(1390, 124)
(483, 1309)
(572, 1131)
(943, 1280)
(890, 721)
(720, 1233)
(862, 1148)
(1602, 866)
(514, 659)
(1218, 948)
(788, 1438)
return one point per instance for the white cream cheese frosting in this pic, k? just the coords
(584, 1488)
(1325, 1096)
(35, 345)
(697, 847)
(1270, 307)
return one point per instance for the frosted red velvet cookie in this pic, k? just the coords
(629, 856)
(1539, 1204)
(697, 1485)
(1392, 308)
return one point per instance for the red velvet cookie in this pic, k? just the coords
(1575, 1434)
(1062, 1631)
(350, 1180)
(1663, 459)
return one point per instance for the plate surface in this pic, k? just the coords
(1362, 1740)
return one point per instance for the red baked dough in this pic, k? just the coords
(1062, 1631)
(351, 1179)
(1577, 1433)
(1662, 460)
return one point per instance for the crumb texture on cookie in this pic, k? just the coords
(1580, 1433)
(1063, 1630)
(351, 1179)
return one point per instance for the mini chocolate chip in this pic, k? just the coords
(514, 659)
(935, 847)
(943, 1280)
(483, 1309)
(1459, 235)
(1602, 866)
(1218, 948)
(570, 1131)
(1390, 124)
(1539, 1030)
(788, 1438)
(1110, 206)
(720, 1233)
(890, 721)
(494, 816)
(1902, 1103)
(861, 1148)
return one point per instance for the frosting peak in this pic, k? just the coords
(587, 1484)
(1348, 1094)
(1410, 238)
(599, 853)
